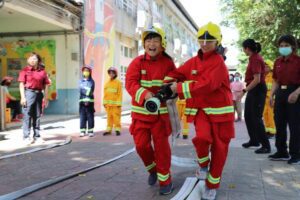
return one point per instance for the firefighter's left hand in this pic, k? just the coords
(293, 97)
(174, 87)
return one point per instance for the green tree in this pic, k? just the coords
(263, 20)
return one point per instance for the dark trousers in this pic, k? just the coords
(15, 107)
(254, 107)
(287, 114)
(86, 116)
(32, 113)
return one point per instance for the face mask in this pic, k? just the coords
(86, 74)
(236, 78)
(285, 51)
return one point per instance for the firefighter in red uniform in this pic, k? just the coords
(203, 82)
(144, 78)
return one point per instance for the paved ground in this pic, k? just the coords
(246, 176)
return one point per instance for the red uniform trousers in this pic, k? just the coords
(158, 159)
(214, 138)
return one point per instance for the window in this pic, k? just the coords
(126, 51)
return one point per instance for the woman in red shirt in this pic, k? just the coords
(286, 88)
(256, 90)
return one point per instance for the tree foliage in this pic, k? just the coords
(263, 20)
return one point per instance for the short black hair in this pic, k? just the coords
(288, 39)
(152, 35)
(252, 45)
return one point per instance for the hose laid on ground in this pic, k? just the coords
(51, 146)
(39, 186)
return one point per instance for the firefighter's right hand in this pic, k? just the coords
(149, 95)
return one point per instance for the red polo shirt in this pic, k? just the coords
(35, 79)
(256, 65)
(287, 71)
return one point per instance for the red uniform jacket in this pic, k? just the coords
(204, 83)
(146, 75)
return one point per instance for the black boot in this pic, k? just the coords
(166, 189)
(152, 178)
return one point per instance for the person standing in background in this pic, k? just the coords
(286, 89)
(112, 102)
(237, 88)
(268, 115)
(33, 81)
(256, 90)
(86, 102)
(181, 113)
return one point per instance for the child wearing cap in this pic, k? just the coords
(112, 102)
(86, 102)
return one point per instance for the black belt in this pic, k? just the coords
(33, 90)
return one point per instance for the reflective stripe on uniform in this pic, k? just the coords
(271, 130)
(112, 102)
(190, 111)
(88, 90)
(219, 111)
(185, 130)
(269, 86)
(186, 90)
(142, 110)
(203, 160)
(149, 167)
(168, 78)
(138, 94)
(152, 83)
(213, 180)
(162, 177)
(112, 90)
(86, 100)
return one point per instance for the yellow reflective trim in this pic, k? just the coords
(138, 94)
(149, 167)
(142, 110)
(112, 90)
(190, 111)
(219, 111)
(213, 180)
(112, 102)
(88, 90)
(86, 100)
(186, 90)
(162, 177)
(168, 78)
(152, 83)
(271, 130)
(202, 160)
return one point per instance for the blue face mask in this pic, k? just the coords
(236, 78)
(285, 51)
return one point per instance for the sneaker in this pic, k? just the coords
(152, 178)
(262, 150)
(166, 189)
(209, 194)
(279, 156)
(91, 134)
(27, 141)
(294, 161)
(82, 134)
(201, 173)
(185, 137)
(250, 144)
(118, 133)
(106, 133)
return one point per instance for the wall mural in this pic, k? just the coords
(99, 38)
(13, 57)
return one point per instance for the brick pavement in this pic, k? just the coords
(246, 176)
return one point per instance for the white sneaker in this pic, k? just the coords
(91, 134)
(209, 194)
(201, 173)
(82, 134)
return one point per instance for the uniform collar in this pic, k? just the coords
(148, 57)
(287, 59)
(29, 67)
(205, 56)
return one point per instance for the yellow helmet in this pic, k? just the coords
(269, 63)
(210, 32)
(158, 31)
